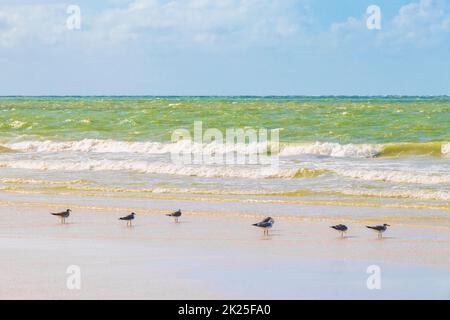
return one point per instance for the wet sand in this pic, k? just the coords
(220, 256)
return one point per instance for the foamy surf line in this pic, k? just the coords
(81, 187)
(398, 176)
(258, 172)
(286, 149)
(160, 168)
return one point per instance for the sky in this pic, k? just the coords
(224, 47)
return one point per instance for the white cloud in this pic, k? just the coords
(200, 21)
(158, 21)
(179, 23)
(422, 23)
(22, 23)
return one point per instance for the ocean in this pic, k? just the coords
(355, 151)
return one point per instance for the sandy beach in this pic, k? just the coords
(216, 256)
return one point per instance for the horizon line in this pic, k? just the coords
(227, 96)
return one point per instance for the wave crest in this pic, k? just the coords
(446, 148)
(164, 168)
(113, 146)
(333, 150)
(329, 149)
(394, 176)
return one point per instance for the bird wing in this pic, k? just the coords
(174, 214)
(263, 224)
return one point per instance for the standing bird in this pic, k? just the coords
(176, 215)
(129, 218)
(379, 229)
(341, 228)
(266, 224)
(63, 215)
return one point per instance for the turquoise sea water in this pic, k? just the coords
(303, 119)
(355, 149)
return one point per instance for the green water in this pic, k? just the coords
(303, 119)
(333, 148)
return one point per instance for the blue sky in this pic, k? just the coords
(225, 47)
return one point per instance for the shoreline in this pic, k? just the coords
(214, 256)
(301, 210)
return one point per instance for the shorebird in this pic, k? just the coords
(129, 218)
(266, 224)
(176, 215)
(341, 228)
(379, 229)
(63, 215)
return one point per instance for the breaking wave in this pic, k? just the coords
(187, 146)
(164, 168)
(396, 194)
(256, 172)
(398, 176)
(333, 150)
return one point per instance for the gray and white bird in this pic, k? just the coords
(176, 215)
(129, 219)
(341, 228)
(266, 224)
(380, 229)
(63, 215)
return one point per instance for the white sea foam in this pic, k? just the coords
(17, 124)
(399, 176)
(334, 150)
(446, 149)
(91, 145)
(153, 168)
(187, 146)
(412, 194)
(112, 146)
(141, 166)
